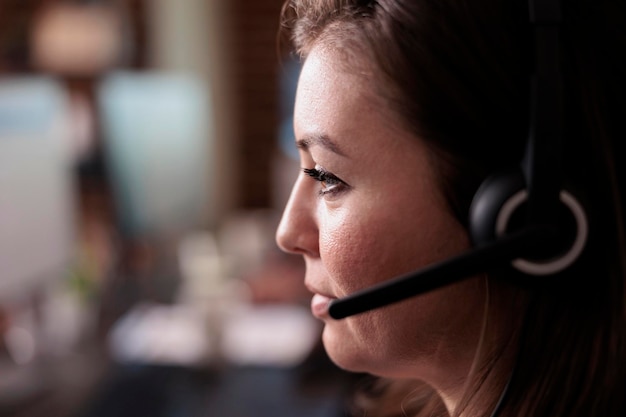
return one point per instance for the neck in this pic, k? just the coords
(485, 385)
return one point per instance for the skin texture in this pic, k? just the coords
(382, 214)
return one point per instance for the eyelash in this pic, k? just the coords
(331, 184)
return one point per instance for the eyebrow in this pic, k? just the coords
(323, 140)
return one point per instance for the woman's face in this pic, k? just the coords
(367, 207)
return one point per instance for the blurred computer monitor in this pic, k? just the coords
(36, 185)
(157, 145)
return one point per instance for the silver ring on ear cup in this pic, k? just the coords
(561, 262)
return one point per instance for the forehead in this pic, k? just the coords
(331, 97)
(334, 103)
(326, 76)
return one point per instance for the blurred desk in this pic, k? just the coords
(249, 391)
(97, 388)
(51, 387)
(134, 371)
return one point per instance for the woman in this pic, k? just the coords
(403, 108)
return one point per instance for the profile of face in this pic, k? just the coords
(367, 206)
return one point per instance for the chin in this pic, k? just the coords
(356, 354)
(345, 352)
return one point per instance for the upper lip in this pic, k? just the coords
(314, 290)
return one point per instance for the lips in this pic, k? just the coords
(321, 299)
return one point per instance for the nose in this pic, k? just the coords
(297, 231)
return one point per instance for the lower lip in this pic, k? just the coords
(319, 305)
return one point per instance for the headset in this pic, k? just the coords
(524, 217)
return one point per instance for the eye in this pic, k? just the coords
(331, 184)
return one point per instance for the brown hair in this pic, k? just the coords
(456, 73)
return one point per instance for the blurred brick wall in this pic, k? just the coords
(15, 18)
(256, 69)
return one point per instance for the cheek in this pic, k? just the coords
(359, 251)
(351, 250)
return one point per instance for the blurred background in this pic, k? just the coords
(146, 152)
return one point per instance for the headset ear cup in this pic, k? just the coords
(487, 203)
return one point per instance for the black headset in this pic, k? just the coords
(523, 217)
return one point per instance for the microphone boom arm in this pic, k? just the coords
(435, 276)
